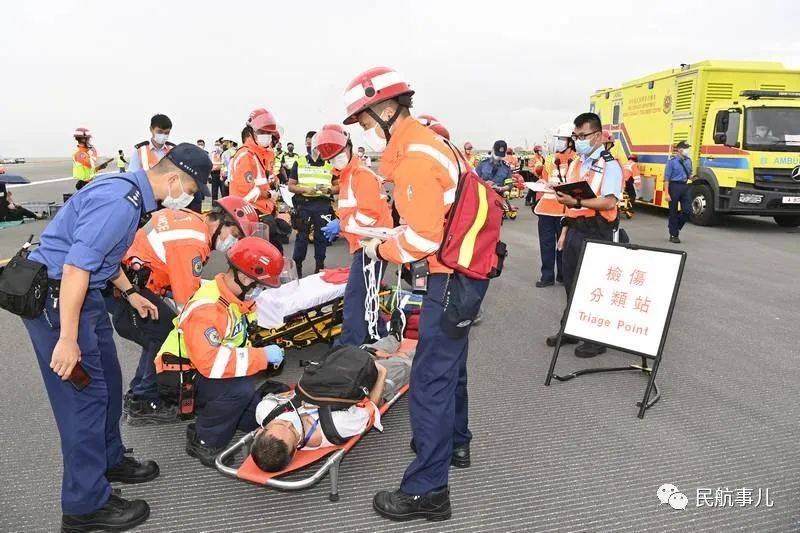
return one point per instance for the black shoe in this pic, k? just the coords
(400, 507)
(565, 339)
(542, 283)
(318, 267)
(148, 413)
(299, 266)
(459, 459)
(559, 279)
(674, 239)
(195, 447)
(588, 349)
(117, 514)
(132, 471)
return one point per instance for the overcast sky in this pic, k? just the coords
(487, 69)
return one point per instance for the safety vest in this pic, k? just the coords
(631, 170)
(119, 161)
(595, 180)
(216, 160)
(148, 156)
(535, 164)
(291, 159)
(276, 163)
(235, 336)
(548, 203)
(311, 176)
(84, 160)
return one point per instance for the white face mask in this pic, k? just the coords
(559, 144)
(685, 152)
(177, 202)
(264, 139)
(161, 138)
(375, 142)
(340, 161)
(223, 245)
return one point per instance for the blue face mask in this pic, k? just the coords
(583, 147)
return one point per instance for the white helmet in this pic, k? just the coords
(560, 139)
(564, 130)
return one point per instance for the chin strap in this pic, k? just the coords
(384, 124)
(244, 288)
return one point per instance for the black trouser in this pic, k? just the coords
(678, 194)
(217, 186)
(576, 235)
(631, 190)
(311, 212)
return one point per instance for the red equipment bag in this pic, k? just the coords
(471, 244)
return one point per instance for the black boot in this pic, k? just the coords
(117, 514)
(565, 339)
(142, 412)
(320, 266)
(399, 506)
(195, 447)
(459, 459)
(299, 266)
(132, 471)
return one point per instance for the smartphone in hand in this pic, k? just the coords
(79, 378)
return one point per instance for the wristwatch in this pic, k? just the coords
(578, 205)
(130, 291)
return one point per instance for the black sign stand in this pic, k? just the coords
(651, 371)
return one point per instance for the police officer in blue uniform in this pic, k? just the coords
(82, 249)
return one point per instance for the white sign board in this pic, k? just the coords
(623, 296)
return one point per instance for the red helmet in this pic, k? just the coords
(372, 87)
(258, 260)
(467, 145)
(263, 121)
(242, 213)
(633, 157)
(329, 141)
(81, 133)
(537, 147)
(429, 121)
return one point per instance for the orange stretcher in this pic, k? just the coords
(249, 471)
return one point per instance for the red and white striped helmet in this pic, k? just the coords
(329, 141)
(372, 87)
(429, 121)
(81, 133)
(262, 121)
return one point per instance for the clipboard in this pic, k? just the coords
(375, 232)
(580, 190)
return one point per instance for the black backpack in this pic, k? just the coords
(342, 379)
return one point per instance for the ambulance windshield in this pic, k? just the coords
(773, 129)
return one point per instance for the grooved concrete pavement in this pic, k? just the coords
(571, 457)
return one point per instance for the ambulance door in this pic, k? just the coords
(682, 127)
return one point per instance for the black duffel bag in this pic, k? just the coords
(23, 285)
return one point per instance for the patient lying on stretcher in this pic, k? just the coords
(274, 447)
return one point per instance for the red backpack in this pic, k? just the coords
(471, 244)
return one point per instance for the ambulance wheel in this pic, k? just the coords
(703, 213)
(787, 221)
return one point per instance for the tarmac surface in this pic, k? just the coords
(569, 457)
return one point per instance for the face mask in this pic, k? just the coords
(225, 245)
(685, 152)
(160, 138)
(264, 139)
(559, 145)
(178, 202)
(340, 161)
(374, 141)
(584, 147)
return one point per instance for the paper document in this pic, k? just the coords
(286, 195)
(538, 186)
(378, 233)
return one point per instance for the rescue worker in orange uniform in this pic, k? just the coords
(147, 153)
(360, 206)
(425, 171)
(632, 177)
(548, 208)
(534, 171)
(212, 332)
(251, 166)
(165, 261)
(594, 218)
(512, 160)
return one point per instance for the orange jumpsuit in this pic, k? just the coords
(360, 203)
(174, 245)
(250, 175)
(535, 164)
(425, 171)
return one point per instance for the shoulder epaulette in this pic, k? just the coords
(606, 155)
(170, 143)
(143, 143)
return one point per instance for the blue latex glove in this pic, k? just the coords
(274, 354)
(331, 230)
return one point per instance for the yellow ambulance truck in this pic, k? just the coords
(742, 120)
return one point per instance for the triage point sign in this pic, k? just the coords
(622, 296)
